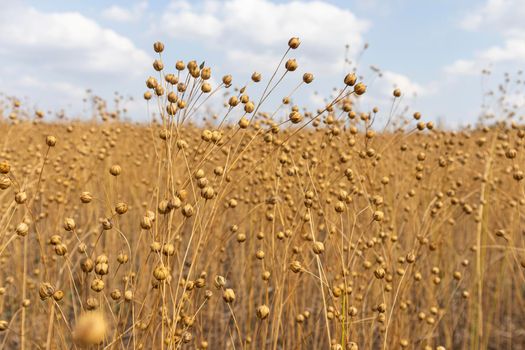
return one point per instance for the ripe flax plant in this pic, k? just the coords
(255, 226)
(481, 232)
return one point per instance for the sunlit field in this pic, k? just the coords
(259, 225)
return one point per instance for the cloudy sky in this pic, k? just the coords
(51, 51)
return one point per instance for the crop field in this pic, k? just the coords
(258, 226)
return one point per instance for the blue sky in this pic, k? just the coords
(51, 51)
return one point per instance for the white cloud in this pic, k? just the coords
(264, 27)
(504, 17)
(513, 49)
(121, 14)
(252, 35)
(268, 23)
(66, 40)
(53, 57)
(60, 87)
(408, 87)
(463, 67)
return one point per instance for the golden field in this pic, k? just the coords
(239, 231)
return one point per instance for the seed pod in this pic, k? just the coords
(206, 73)
(352, 311)
(228, 295)
(122, 258)
(92, 303)
(107, 224)
(206, 88)
(5, 182)
(69, 224)
(4, 167)
(215, 136)
(200, 283)
(22, 229)
(179, 65)
(164, 207)
(45, 290)
(115, 170)
(61, 249)
(58, 295)
(295, 117)
(51, 141)
(171, 109)
(295, 266)
(359, 89)
(116, 294)
(151, 83)
(294, 43)
(155, 247)
(241, 238)
(219, 282)
(97, 285)
(378, 215)
(262, 312)
(350, 79)
(121, 208)
(380, 273)
(291, 65)
(20, 197)
(352, 346)
(266, 275)
(308, 78)
(86, 264)
(150, 214)
(187, 210)
(161, 273)
(249, 107)
(168, 249)
(146, 223)
(410, 258)
(158, 65)
(244, 123)
(208, 192)
(318, 248)
(227, 80)
(158, 47)
(86, 197)
(101, 268)
(102, 258)
(511, 153)
(381, 308)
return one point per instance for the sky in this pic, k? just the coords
(51, 51)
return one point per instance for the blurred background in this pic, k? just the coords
(52, 51)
